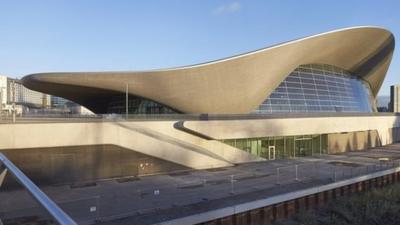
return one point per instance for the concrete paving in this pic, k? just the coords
(157, 198)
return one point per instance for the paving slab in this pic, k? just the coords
(153, 199)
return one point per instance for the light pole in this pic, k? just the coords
(1, 103)
(13, 98)
(126, 101)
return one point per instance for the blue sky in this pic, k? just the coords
(102, 35)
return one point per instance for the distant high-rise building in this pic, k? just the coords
(3, 90)
(13, 91)
(394, 104)
(32, 102)
(24, 96)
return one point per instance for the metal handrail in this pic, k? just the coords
(52, 208)
(145, 117)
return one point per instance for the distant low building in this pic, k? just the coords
(13, 91)
(26, 97)
(28, 101)
(3, 92)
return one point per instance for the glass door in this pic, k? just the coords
(271, 152)
(303, 146)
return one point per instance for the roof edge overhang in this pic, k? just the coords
(237, 84)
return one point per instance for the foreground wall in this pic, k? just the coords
(157, 139)
(353, 141)
(75, 164)
(71, 146)
(279, 208)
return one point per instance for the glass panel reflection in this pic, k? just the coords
(137, 105)
(282, 147)
(319, 88)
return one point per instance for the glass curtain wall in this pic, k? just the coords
(282, 147)
(319, 88)
(137, 105)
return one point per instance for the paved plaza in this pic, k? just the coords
(152, 199)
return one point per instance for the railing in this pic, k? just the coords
(144, 196)
(84, 211)
(59, 215)
(5, 118)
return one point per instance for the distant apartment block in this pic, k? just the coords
(25, 96)
(30, 101)
(13, 91)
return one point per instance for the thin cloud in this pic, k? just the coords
(232, 7)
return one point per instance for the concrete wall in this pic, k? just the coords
(236, 129)
(394, 133)
(73, 164)
(351, 141)
(267, 211)
(157, 139)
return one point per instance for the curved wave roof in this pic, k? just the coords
(232, 85)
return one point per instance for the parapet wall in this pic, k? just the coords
(82, 164)
(253, 128)
(269, 210)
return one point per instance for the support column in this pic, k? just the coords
(3, 176)
(127, 101)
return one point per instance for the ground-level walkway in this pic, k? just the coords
(153, 199)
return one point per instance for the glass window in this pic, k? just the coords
(293, 85)
(289, 146)
(309, 86)
(334, 86)
(293, 79)
(280, 148)
(295, 90)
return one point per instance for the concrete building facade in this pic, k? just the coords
(315, 95)
(329, 72)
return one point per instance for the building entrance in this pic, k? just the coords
(282, 147)
(303, 147)
(271, 152)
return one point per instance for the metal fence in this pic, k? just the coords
(86, 211)
(8, 118)
(141, 198)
